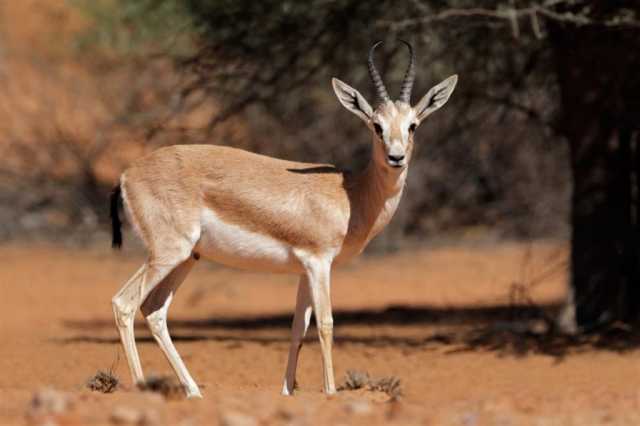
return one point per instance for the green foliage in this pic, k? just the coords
(140, 27)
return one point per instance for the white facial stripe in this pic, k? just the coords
(404, 126)
(396, 148)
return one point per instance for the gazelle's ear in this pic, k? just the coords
(437, 96)
(352, 100)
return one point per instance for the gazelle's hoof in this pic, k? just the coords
(194, 394)
(286, 391)
(330, 391)
(289, 390)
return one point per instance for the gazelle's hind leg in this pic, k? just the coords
(125, 304)
(170, 236)
(127, 301)
(301, 320)
(155, 309)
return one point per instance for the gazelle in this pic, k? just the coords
(259, 213)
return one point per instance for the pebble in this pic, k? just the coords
(49, 401)
(358, 407)
(126, 416)
(237, 419)
(131, 416)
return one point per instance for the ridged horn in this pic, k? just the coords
(409, 77)
(375, 76)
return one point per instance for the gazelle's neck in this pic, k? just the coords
(375, 194)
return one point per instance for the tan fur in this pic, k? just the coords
(304, 205)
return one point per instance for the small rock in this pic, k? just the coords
(126, 416)
(49, 401)
(237, 419)
(358, 407)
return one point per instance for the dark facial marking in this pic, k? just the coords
(378, 129)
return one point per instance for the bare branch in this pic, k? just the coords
(511, 15)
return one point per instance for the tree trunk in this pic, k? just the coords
(597, 71)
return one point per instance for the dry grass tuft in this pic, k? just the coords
(164, 385)
(361, 380)
(105, 382)
(389, 385)
(355, 380)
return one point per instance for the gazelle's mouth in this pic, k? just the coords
(396, 160)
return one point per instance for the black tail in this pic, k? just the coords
(116, 225)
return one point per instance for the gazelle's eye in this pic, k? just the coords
(412, 128)
(378, 129)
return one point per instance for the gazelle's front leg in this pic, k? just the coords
(301, 320)
(319, 276)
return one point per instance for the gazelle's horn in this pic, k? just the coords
(375, 76)
(409, 77)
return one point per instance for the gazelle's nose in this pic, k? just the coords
(395, 160)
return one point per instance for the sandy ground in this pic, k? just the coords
(441, 320)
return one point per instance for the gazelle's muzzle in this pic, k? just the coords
(396, 160)
(396, 154)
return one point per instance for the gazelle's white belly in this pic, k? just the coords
(231, 245)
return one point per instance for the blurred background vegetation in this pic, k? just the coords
(540, 139)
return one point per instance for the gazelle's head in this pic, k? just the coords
(393, 123)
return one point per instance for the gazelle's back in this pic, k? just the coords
(251, 210)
